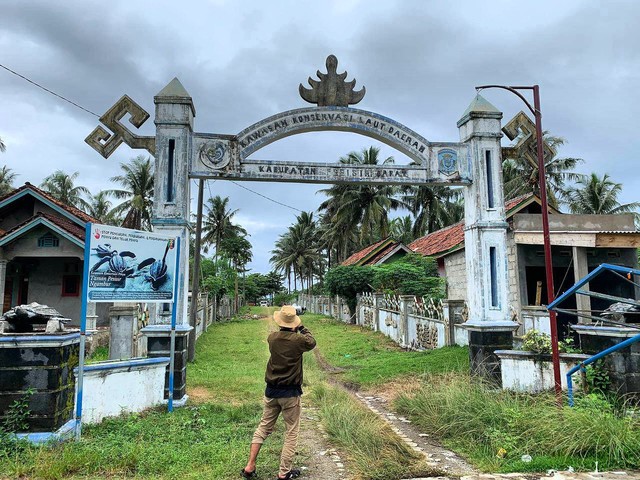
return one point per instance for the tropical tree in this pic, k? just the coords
(597, 195)
(237, 249)
(62, 186)
(361, 208)
(402, 229)
(3, 147)
(100, 207)
(7, 177)
(434, 207)
(297, 252)
(136, 181)
(521, 176)
(217, 222)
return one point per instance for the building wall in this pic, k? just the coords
(27, 246)
(456, 275)
(513, 272)
(45, 285)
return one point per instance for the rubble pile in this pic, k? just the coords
(23, 318)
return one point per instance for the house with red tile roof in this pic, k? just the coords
(579, 244)
(384, 251)
(41, 252)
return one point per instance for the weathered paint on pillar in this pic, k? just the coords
(485, 238)
(174, 125)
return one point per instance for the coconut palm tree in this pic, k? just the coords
(521, 176)
(3, 147)
(100, 207)
(217, 222)
(597, 195)
(366, 206)
(402, 229)
(137, 191)
(7, 177)
(237, 249)
(62, 186)
(433, 207)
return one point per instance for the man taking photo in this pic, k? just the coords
(284, 388)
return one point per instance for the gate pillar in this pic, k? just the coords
(174, 126)
(489, 325)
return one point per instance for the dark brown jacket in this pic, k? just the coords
(284, 368)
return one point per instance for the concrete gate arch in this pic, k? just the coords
(474, 163)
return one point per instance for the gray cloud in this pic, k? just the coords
(418, 60)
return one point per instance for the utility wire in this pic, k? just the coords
(264, 196)
(96, 115)
(49, 91)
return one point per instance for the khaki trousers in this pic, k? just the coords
(290, 409)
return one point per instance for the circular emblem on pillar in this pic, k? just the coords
(447, 161)
(213, 155)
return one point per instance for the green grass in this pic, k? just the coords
(373, 450)
(371, 359)
(478, 421)
(209, 439)
(100, 354)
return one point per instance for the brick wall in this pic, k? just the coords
(456, 272)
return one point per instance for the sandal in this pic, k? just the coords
(246, 474)
(293, 473)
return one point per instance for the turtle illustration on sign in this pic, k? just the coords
(156, 275)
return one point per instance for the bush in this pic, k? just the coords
(539, 342)
(283, 298)
(348, 282)
(404, 278)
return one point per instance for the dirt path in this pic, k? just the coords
(323, 461)
(436, 456)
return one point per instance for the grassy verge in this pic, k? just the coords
(479, 422)
(370, 359)
(208, 439)
(373, 450)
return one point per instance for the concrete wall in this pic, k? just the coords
(45, 285)
(456, 276)
(512, 272)
(415, 323)
(27, 246)
(532, 373)
(116, 387)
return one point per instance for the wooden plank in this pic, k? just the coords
(560, 239)
(617, 240)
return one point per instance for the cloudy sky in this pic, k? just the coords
(243, 61)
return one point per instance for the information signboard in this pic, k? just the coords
(130, 266)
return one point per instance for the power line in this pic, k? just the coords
(49, 91)
(264, 196)
(96, 115)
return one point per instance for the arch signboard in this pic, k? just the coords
(218, 156)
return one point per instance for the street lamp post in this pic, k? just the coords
(545, 222)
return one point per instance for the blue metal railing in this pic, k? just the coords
(597, 356)
(575, 289)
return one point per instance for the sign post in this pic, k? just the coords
(130, 266)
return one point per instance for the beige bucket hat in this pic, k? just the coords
(286, 317)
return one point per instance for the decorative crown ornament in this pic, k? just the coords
(331, 89)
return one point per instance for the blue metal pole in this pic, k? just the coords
(596, 357)
(598, 270)
(83, 326)
(172, 351)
